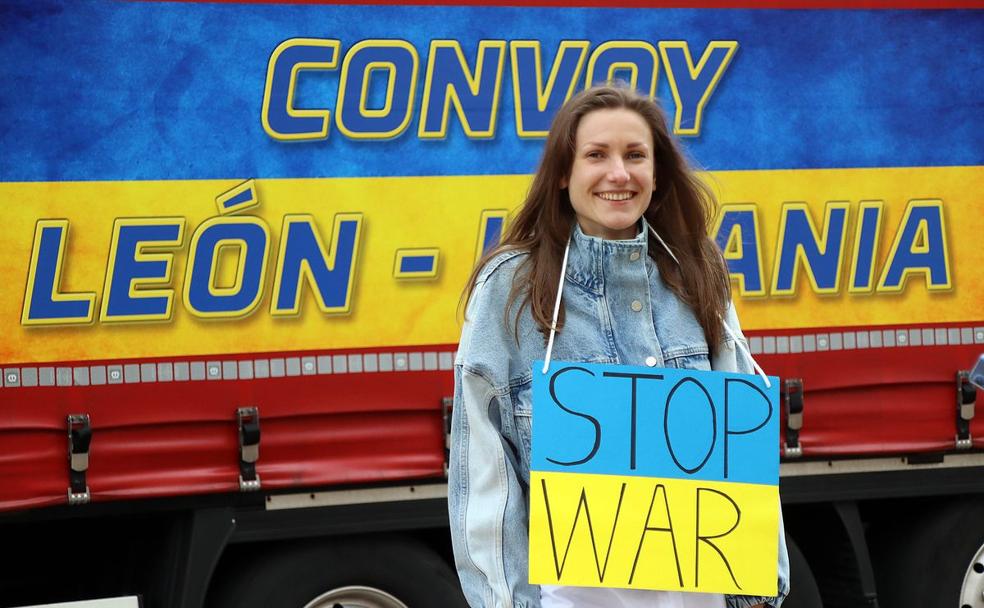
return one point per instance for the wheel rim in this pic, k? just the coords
(355, 596)
(972, 590)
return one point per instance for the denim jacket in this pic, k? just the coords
(617, 310)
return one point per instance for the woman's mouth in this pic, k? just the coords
(616, 196)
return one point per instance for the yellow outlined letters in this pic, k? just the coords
(238, 198)
(787, 262)
(616, 47)
(449, 94)
(278, 96)
(250, 277)
(544, 93)
(491, 223)
(733, 247)
(125, 296)
(865, 251)
(923, 221)
(53, 298)
(678, 85)
(337, 269)
(365, 124)
(423, 253)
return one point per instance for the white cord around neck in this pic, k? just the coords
(560, 292)
(556, 313)
(663, 243)
(741, 345)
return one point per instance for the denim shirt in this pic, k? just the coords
(617, 310)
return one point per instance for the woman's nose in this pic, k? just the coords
(617, 172)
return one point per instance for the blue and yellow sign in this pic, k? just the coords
(654, 479)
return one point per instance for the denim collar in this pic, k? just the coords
(586, 260)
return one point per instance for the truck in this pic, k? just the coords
(236, 237)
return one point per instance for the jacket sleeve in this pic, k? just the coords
(487, 505)
(744, 365)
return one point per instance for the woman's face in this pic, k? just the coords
(611, 180)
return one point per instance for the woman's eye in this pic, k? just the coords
(636, 155)
(595, 154)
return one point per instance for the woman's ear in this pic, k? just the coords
(563, 183)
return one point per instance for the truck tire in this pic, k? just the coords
(804, 591)
(939, 562)
(370, 573)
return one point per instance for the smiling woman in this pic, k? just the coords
(610, 176)
(579, 174)
(611, 181)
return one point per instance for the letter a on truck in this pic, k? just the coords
(235, 235)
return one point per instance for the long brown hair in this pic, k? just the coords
(680, 210)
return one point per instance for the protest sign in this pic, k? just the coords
(654, 479)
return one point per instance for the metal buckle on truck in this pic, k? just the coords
(966, 397)
(249, 448)
(792, 396)
(79, 439)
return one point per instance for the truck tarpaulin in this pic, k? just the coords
(211, 206)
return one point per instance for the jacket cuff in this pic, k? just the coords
(744, 601)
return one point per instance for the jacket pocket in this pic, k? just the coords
(690, 357)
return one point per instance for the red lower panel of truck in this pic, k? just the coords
(376, 415)
(880, 400)
(169, 438)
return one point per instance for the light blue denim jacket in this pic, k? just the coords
(489, 473)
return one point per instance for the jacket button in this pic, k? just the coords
(651, 361)
(634, 256)
(636, 305)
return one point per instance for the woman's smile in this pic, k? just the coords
(616, 197)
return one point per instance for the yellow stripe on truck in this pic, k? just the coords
(139, 269)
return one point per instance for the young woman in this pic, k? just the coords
(615, 211)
